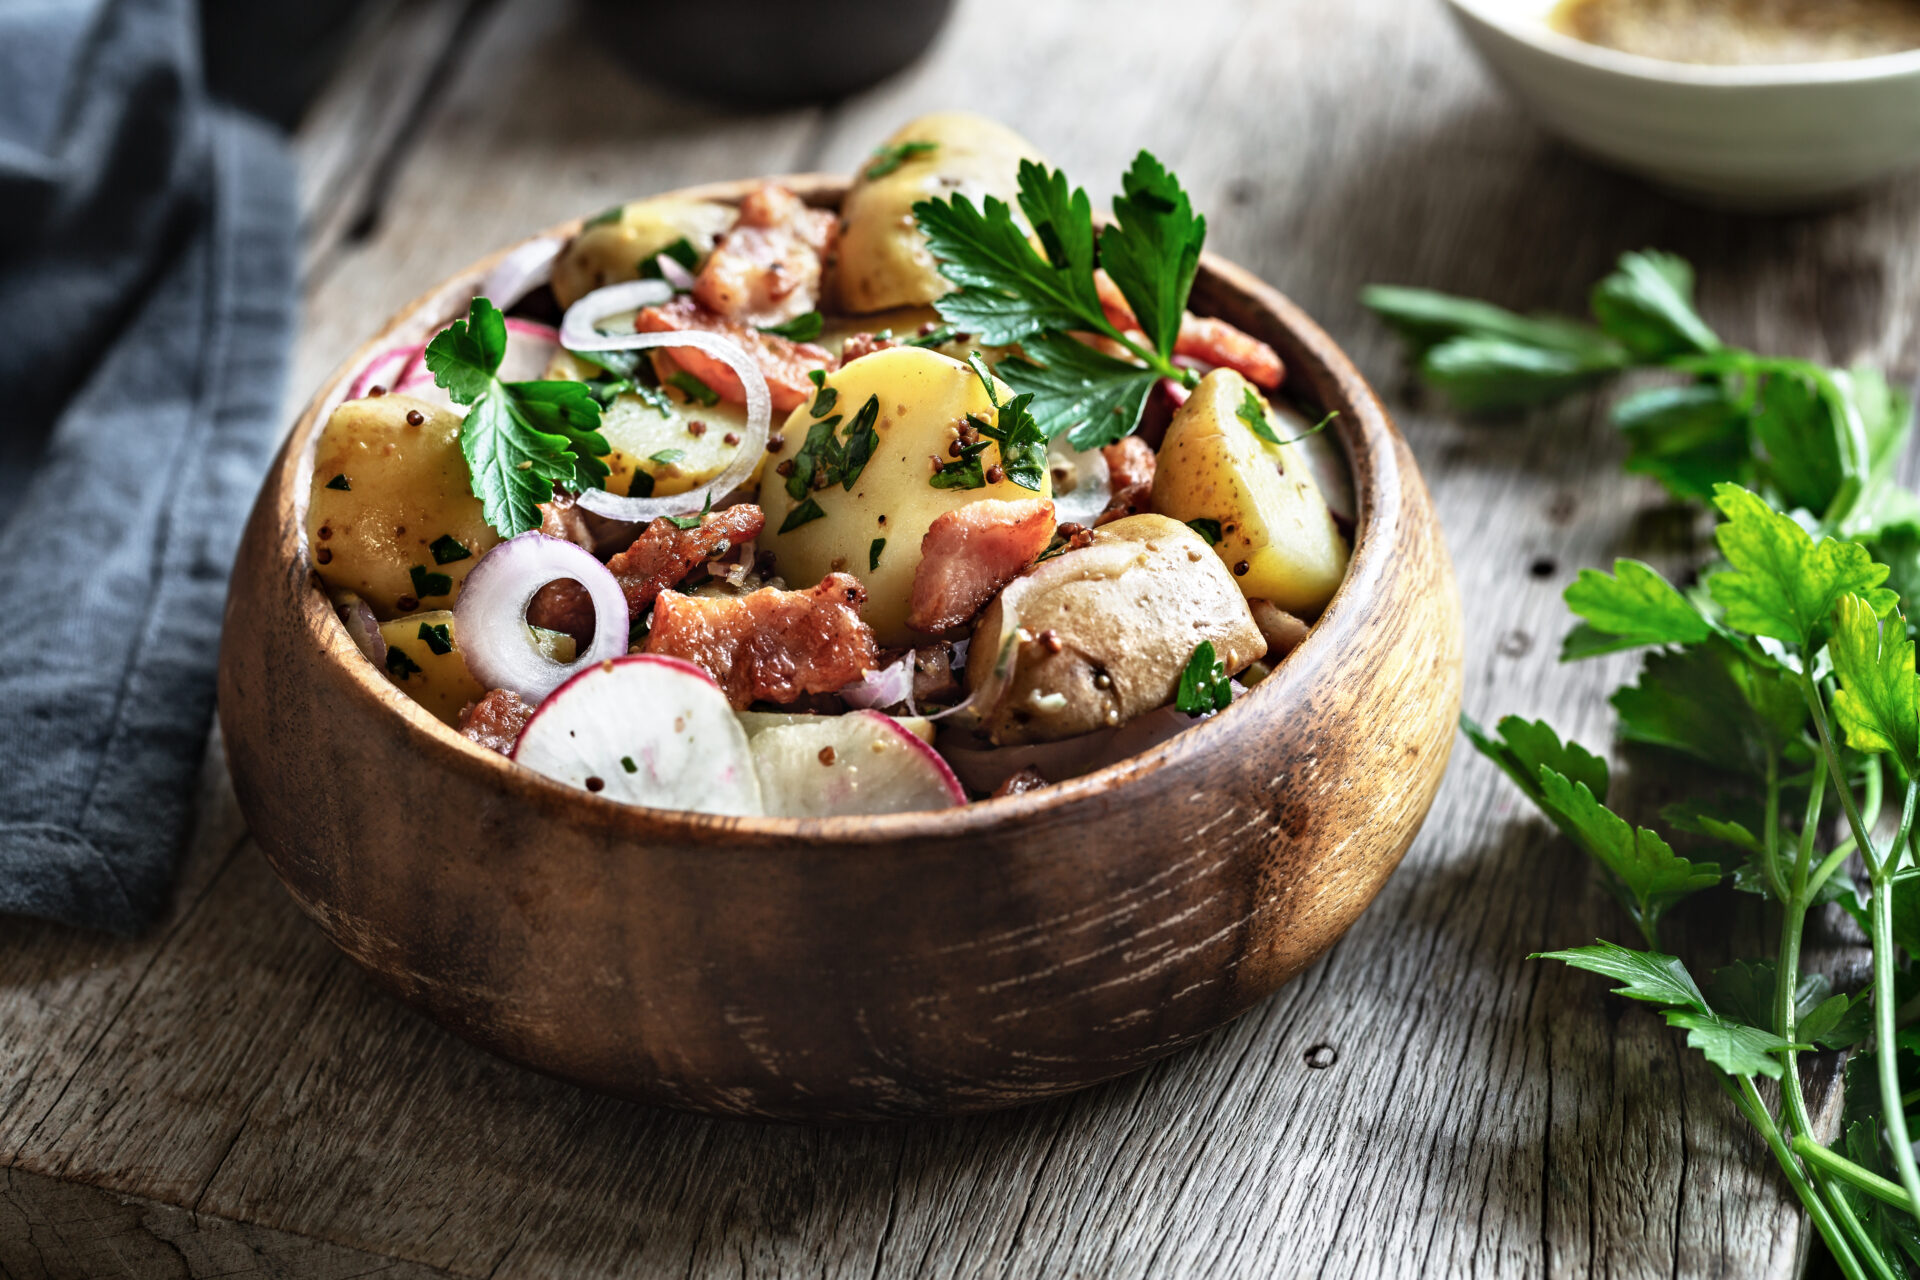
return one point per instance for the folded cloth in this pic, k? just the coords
(146, 310)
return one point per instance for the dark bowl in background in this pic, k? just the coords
(774, 52)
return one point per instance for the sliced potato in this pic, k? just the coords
(1099, 635)
(429, 668)
(392, 516)
(611, 247)
(923, 397)
(682, 448)
(883, 259)
(1275, 531)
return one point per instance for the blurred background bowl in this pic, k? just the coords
(1752, 137)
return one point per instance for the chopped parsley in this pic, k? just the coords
(438, 638)
(681, 251)
(1023, 446)
(1203, 685)
(693, 521)
(873, 554)
(807, 512)
(1208, 529)
(626, 762)
(604, 217)
(802, 328)
(827, 458)
(667, 457)
(520, 438)
(642, 486)
(340, 482)
(625, 373)
(885, 160)
(1253, 412)
(426, 583)
(823, 401)
(940, 336)
(965, 470)
(399, 665)
(446, 549)
(697, 391)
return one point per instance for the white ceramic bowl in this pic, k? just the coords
(1754, 137)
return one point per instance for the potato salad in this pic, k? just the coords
(770, 509)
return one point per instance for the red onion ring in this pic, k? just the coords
(579, 332)
(674, 274)
(883, 687)
(520, 273)
(357, 614)
(385, 369)
(490, 614)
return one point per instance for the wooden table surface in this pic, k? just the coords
(228, 1096)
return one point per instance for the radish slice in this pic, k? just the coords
(491, 614)
(859, 763)
(644, 730)
(530, 349)
(520, 273)
(883, 687)
(579, 331)
(386, 369)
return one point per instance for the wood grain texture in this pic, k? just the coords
(1423, 1101)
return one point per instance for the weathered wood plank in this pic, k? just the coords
(1423, 1101)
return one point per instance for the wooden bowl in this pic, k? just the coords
(854, 968)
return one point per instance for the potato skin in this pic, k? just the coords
(923, 396)
(607, 252)
(1272, 516)
(883, 259)
(442, 685)
(1128, 611)
(408, 487)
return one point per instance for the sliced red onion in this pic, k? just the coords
(490, 614)
(884, 687)
(674, 274)
(357, 614)
(579, 331)
(520, 272)
(386, 369)
(530, 348)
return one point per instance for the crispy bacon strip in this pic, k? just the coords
(971, 552)
(1130, 465)
(785, 362)
(770, 645)
(863, 344)
(495, 721)
(766, 270)
(662, 555)
(1202, 338)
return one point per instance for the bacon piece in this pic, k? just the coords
(495, 721)
(784, 362)
(971, 552)
(1130, 465)
(770, 645)
(1201, 338)
(934, 679)
(662, 555)
(863, 344)
(766, 270)
(1027, 779)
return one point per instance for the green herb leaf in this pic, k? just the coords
(1525, 746)
(1645, 975)
(1023, 445)
(1647, 305)
(806, 512)
(1208, 529)
(399, 665)
(1804, 444)
(1077, 390)
(438, 638)
(695, 390)
(604, 217)
(802, 328)
(1426, 319)
(1878, 702)
(1253, 412)
(1634, 606)
(447, 549)
(626, 762)
(1204, 685)
(862, 439)
(1153, 249)
(681, 251)
(823, 401)
(1783, 584)
(667, 457)
(938, 336)
(695, 521)
(1712, 702)
(426, 583)
(873, 553)
(340, 482)
(1006, 291)
(1493, 374)
(641, 485)
(1689, 438)
(887, 159)
(1645, 874)
(965, 471)
(1734, 1047)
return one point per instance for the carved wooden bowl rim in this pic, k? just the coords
(1367, 435)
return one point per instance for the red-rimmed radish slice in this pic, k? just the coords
(858, 763)
(520, 273)
(386, 369)
(644, 730)
(530, 348)
(491, 614)
(580, 331)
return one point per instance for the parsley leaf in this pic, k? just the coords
(964, 471)
(681, 251)
(825, 459)
(887, 159)
(1207, 529)
(805, 513)
(1524, 747)
(823, 401)
(1153, 249)
(667, 456)
(1633, 606)
(1203, 685)
(696, 520)
(1642, 870)
(1076, 389)
(447, 549)
(873, 553)
(1023, 445)
(520, 439)
(1425, 319)
(1878, 703)
(1783, 584)
(426, 583)
(340, 482)
(1253, 412)
(437, 637)
(399, 665)
(1711, 702)
(1734, 1047)
(1647, 305)
(1688, 438)
(802, 328)
(696, 391)
(1647, 975)
(862, 438)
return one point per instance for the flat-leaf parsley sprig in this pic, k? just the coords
(1008, 293)
(519, 438)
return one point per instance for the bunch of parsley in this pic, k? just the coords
(1784, 685)
(1009, 293)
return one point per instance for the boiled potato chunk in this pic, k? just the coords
(1125, 614)
(391, 497)
(681, 449)
(1272, 517)
(611, 248)
(923, 398)
(883, 259)
(428, 666)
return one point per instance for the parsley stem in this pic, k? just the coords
(1757, 1114)
(1817, 705)
(1793, 922)
(1880, 918)
(1847, 1171)
(1771, 838)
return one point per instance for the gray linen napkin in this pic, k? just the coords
(146, 309)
